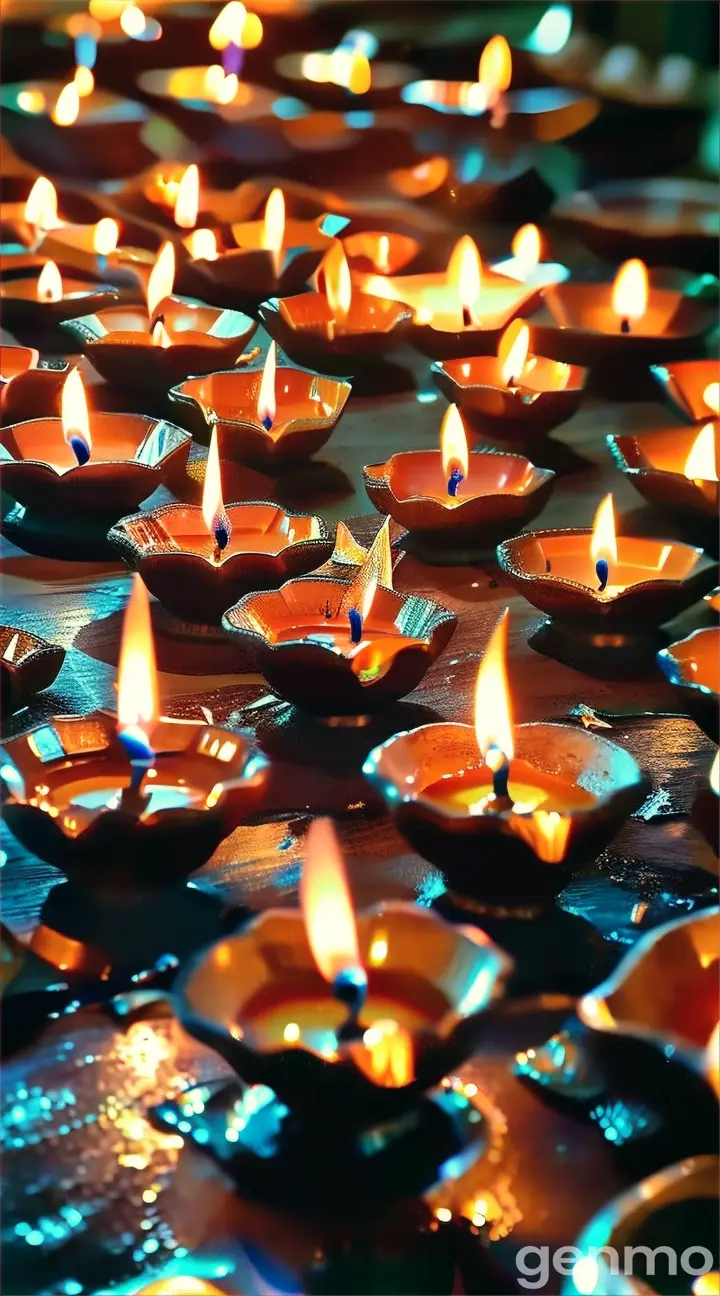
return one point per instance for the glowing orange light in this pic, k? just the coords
(49, 284)
(74, 410)
(359, 78)
(84, 81)
(138, 705)
(188, 198)
(338, 285)
(386, 1054)
(31, 101)
(202, 245)
(228, 26)
(526, 249)
(273, 230)
(493, 717)
(267, 404)
(106, 10)
(630, 290)
(212, 498)
(603, 543)
(708, 1284)
(382, 256)
(227, 90)
(161, 278)
(41, 205)
(495, 69)
(105, 236)
(512, 351)
(453, 442)
(133, 21)
(160, 336)
(252, 32)
(464, 274)
(701, 464)
(67, 105)
(711, 396)
(326, 903)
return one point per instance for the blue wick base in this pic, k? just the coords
(267, 422)
(602, 571)
(454, 480)
(80, 449)
(356, 625)
(222, 532)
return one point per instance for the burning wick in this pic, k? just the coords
(80, 449)
(497, 761)
(137, 687)
(454, 480)
(602, 568)
(222, 531)
(356, 625)
(349, 987)
(139, 753)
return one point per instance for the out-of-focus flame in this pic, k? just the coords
(526, 249)
(495, 69)
(105, 236)
(84, 81)
(338, 285)
(711, 396)
(382, 255)
(493, 717)
(41, 206)
(701, 464)
(708, 1284)
(67, 105)
(359, 75)
(513, 351)
(464, 274)
(453, 442)
(202, 245)
(603, 543)
(227, 90)
(137, 705)
(161, 278)
(49, 284)
(273, 230)
(187, 200)
(227, 28)
(385, 1054)
(74, 410)
(213, 505)
(252, 32)
(160, 336)
(213, 79)
(630, 290)
(326, 903)
(133, 21)
(266, 403)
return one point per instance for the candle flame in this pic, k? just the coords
(227, 89)
(359, 77)
(138, 705)
(41, 206)
(162, 277)
(382, 256)
(133, 21)
(361, 591)
(386, 1054)
(84, 81)
(160, 336)
(338, 285)
(495, 68)
(67, 105)
(512, 351)
(711, 396)
(453, 442)
(213, 505)
(326, 903)
(603, 543)
(187, 200)
(213, 79)
(464, 273)
(266, 403)
(202, 245)
(630, 290)
(105, 236)
(701, 463)
(273, 230)
(74, 410)
(526, 249)
(493, 717)
(49, 284)
(227, 27)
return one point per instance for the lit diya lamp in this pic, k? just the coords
(462, 312)
(605, 590)
(28, 388)
(676, 467)
(23, 221)
(525, 264)
(626, 323)
(453, 503)
(346, 76)
(378, 251)
(516, 395)
(350, 1021)
(28, 665)
(508, 812)
(270, 417)
(88, 464)
(199, 559)
(692, 665)
(154, 347)
(83, 248)
(691, 388)
(339, 329)
(706, 807)
(34, 305)
(342, 647)
(133, 802)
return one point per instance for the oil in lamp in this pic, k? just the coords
(339, 647)
(675, 467)
(34, 305)
(516, 395)
(605, 594)
(453, 503)
(692, 665)
(152, 348)
(508, 812)
(691, 388)
(270, 417)
(198, 560)
(525, 264)
(29, 387)
(339, 329)
(350, 1024)
(28, 665)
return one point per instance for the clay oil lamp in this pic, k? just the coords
(508, 812)
(516, 395)
(75, 248)
(269, 418)
(34, 305)
(133, 802)
(525, 264)
(692, 665)
(675, 468)
(690, 387)
(341, 647)
(487, 185)
(198, 560)
(28, 388)
(23, 224)
(623, 324)
(85, 464)
(151, 348)
(350, 1023)
(27, 666)
(455, 504)
(605, 594)
(706, 807)
(462, 312)
(338, 330)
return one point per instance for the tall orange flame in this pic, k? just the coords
(74, 410)
(630, 290)
(273, 231)
(701, 464)
(67, 105)
(453, 442)
(526, 249)
(202, 245)
(338, 285)
(41, 207)
(513, 351)
(493, 717)
(326, 903)
(495, 69)
(105, 236)
(212, 498)
(464, 274)
(161, 279)
(138, 705)
(187, 200)
(49, 285)
(603, 543)
(266, 403)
